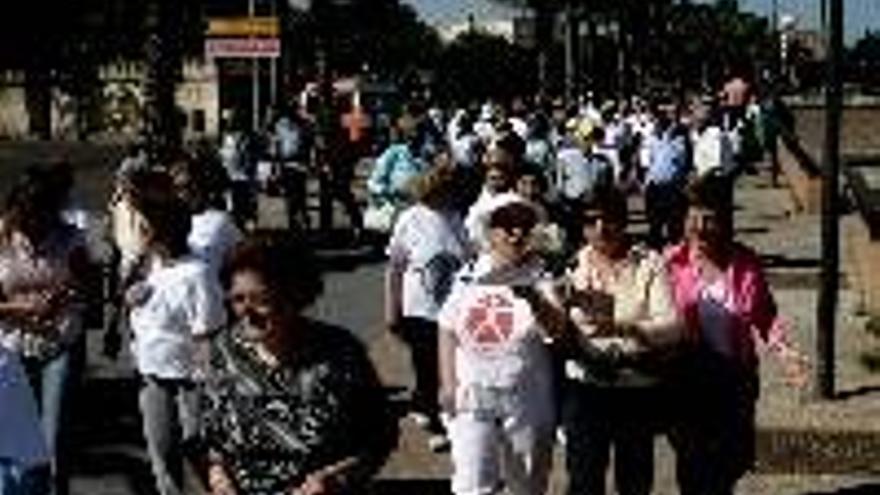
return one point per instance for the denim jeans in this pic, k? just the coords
(169, 414)
(19, 480)
(54, 382)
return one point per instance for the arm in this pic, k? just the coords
(548, 310)
(773, 329)
(662, 327)
(219, 480)
(446, 358)
(393, 292)
(398, 260)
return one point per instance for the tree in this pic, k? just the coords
(478, 66)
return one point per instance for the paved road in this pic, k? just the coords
(806, 447)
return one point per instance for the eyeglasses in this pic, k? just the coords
(511, 229)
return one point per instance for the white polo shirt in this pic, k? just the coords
(182, 300)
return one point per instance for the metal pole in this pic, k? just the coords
(827, 309)
(273, 67)
(572, 32)
(255, 80)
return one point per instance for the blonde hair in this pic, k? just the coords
(436, 187)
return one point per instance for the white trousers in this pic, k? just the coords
(490, 454)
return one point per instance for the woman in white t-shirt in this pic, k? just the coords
(495, 368)
(171, 311)
(428, 246)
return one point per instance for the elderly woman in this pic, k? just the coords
(722, 293)
(427, 248)
(293, 405)
(625, 320)
(42, 264)
(496, 379)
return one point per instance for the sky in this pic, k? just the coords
(860, 14)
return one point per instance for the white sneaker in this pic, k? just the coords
(421, 419)
(438, 443)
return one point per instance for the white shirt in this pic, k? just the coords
(499, 341)
(465, 150)
(578, 173)
(520, 127)
(212, 236)
(183, 300)
(231, 157)
(713, 150)
(485, 130)
(21, 439)
(426, 242)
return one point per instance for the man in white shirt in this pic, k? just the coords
(501, 170)
(712, 146)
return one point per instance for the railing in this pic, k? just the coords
(863, 180)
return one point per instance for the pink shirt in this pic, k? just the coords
(751, 312)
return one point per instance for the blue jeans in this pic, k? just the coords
(53, 382)
(18, 480)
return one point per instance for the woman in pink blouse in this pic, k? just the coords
(722, 293)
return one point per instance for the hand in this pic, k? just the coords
(589, 325)
(219, 481)
(137, 294)
(796, 369)
(320, 483)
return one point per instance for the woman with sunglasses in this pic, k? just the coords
(727, 306)
(625, 323)
(495, 368)
(292, 405)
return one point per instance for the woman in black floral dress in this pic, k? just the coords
(292, 406)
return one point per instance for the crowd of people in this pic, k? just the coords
(533, 314)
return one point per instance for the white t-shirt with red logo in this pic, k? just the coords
(500, 343)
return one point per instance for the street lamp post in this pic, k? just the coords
(828, 294)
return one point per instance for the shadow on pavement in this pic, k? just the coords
(783, 261)
(132, 467)
(412, 487)
(868, 489)
(858, 392)
(782, 451)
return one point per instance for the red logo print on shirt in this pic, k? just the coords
(489, 321)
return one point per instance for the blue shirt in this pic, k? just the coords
(393, 171)
(668, 159)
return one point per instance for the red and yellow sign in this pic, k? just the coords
(231, 27)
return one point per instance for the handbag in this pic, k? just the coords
(380, 217)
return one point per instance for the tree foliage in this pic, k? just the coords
(477, 66)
